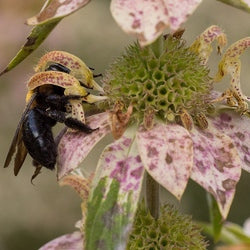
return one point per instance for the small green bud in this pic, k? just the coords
(171, 230)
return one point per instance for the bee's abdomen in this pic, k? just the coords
(38, 138)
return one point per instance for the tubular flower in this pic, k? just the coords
(168, 121)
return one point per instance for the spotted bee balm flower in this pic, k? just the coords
(167, 121)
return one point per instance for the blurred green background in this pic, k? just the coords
(31, 215)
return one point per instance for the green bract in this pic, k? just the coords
(171, 230)
(164, 84)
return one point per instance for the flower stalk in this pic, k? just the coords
(152, 196)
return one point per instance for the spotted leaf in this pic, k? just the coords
(167, 155)
(217, 166)
(237, 128)
(75, 146)
(113, 201)
(72, 241)
(56, 9)
(147, 19)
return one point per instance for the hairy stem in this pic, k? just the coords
(152, 196)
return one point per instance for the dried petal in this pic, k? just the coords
(72, 241)
(237, 128)
(167, 154)
(119, 120)
(82, 187)
(217, 166)
(75, 146)
(56, 9)
(117, 187)
(202, 44)
(148, 19)
(186, 119)
(80, 184)
(231, 64)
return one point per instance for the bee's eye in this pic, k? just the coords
(58, 67)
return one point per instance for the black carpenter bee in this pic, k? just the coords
(48, 101)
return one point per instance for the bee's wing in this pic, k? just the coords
(17, 142)
(20, 155)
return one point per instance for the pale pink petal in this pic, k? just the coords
(121, 161)
(179, 11)
(167, 154)
(217, 166)
(72, 241)
(148, 18)
(75, 146)
(238, 128)
(56, 9)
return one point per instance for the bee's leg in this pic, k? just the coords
(78, 125)
(58, 67)
(94, 74)
(59, 102)
(70, 122)
(97, 75)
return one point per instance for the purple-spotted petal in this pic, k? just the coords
(236, 127)
(116, 191)
(121, 161)
(72, 241)
(167, 154)
(148, 18)
(217, 166)
(75, 146)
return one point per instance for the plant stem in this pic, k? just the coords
(152, 187)
(152, 196)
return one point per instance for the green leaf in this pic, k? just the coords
(237, 232)
(51, 14)
(230, 234)
(36, 37)
(215, 217)
(240, 4)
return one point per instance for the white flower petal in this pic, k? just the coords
(148, 18)
(167, 154)
(72, 241)
(236, 127)
(75, 146)
(217, 166)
